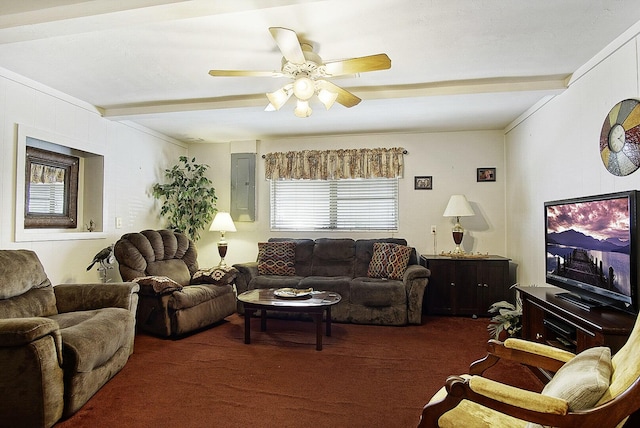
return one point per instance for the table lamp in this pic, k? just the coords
(222, 223)
(457, 207)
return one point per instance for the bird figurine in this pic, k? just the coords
(104, 257)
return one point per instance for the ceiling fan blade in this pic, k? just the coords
(345, 97)
(288, 43)
(243, 73)
(358, 65)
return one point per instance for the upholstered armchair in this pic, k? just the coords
(58, 345)
(590, 389)
(176, 297)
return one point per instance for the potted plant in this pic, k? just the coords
(508, 319)
(189, 197)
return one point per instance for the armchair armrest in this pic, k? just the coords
(518, 403)
(84, 297)
(246, 272)
(522, 351)
(415, 281)
(22, 331)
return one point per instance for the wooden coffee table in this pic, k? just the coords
(316, 304)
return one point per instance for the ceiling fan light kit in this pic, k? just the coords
(308, 72)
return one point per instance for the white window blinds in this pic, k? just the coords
(360, 204)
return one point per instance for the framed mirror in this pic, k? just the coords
(51, 189)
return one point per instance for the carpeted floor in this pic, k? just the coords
(366, 376)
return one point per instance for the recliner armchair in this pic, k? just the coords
(187, 300)
(474, 401)
(58, 345)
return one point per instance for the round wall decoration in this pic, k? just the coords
(620, 138)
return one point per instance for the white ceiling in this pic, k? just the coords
(455, 64)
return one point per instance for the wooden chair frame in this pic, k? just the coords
(609, 414)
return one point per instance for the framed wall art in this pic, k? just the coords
(424, 182)
(486, 174)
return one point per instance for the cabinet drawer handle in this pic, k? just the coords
(453, 284)
(538, 336)
(479, 285)
(486, 285)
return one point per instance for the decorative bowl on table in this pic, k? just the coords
(293, 293)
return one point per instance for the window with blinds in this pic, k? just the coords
(361, 204)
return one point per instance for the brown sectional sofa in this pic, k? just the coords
(341, 265)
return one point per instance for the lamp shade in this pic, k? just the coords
(458, 206)
(222, 222)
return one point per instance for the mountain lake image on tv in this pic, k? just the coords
(591, 250)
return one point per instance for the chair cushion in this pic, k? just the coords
(20, 271)
(389, 260)
(277, 258)
(193, 295)
(91, 338)
(175, 269)
(582, 380)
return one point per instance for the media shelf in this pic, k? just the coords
(548, 318)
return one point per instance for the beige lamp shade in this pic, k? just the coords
(222, 223)
(458, 206)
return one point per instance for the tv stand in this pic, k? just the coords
(548, 318)
(579, 301)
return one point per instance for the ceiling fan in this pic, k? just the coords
(309, 73)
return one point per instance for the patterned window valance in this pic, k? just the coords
(335, 164)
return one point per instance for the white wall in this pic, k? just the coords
(451, 158)
(555, 154)
(134, 160)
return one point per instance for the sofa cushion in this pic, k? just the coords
(159, 284)
(193, 295)
(334, 257)
(276, 258)
(338, 284)
(377, 292)
(275, 281)
(389, 260)
(91, 338)
(304, 254)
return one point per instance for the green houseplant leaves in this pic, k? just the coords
(189, 197)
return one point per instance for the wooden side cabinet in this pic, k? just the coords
(467, 286)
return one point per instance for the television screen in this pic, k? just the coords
(590, 248)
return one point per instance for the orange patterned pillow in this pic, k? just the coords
(277, 258)
(389, 260)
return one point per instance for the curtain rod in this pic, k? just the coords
(404, 152)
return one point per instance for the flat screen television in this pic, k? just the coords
(591, 246)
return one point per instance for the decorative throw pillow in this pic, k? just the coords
(220, 275)
(582, 380)
(277, 258)
(159, 284)
(389, 260)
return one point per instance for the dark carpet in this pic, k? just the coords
(365, 376)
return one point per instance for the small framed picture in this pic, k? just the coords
(424, 182)
(486, 174)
